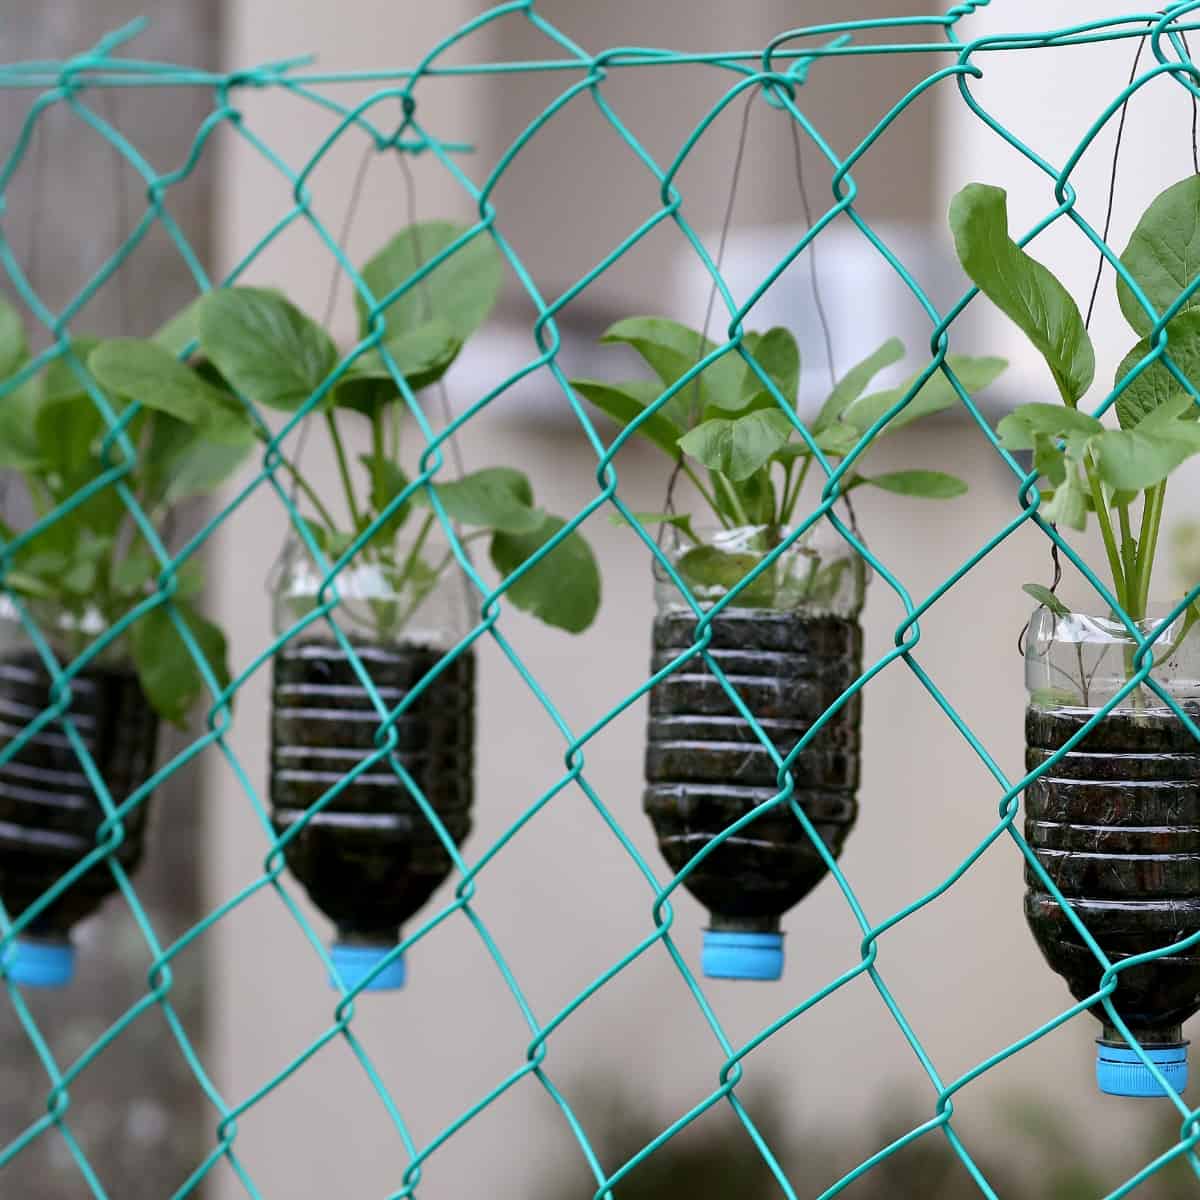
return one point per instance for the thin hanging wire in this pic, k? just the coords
(818, 302)
(739, 157)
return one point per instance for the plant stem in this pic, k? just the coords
(732, 497)
(1129, 547)
(1106, 531)
(708, 497)
(343, 469)
(377, 449)
(789, 503)
(415, 552)
(310, 495)
(1152, 512)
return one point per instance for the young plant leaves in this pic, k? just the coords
(387, 482)
(143, 371)
(671, 350)
(14, 348)
(1138, 458)
(1021, 287)
(562, 589)
(1020, 429)
(935, 394)
(712, 573)
(180, 463)
(497, 498)
(168, 673)
(267, 349)
(1163, 254)
(459, 291)
(421, 355)
(737, 448)
(778, 355)
(1045, 597)
(927, 485)
(625, 402)
(19, 446)
(1157, 384)
(854, 383)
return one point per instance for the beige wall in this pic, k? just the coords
(563, 901)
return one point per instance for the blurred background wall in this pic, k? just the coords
(563, 901)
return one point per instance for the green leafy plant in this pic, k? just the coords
(731, 431)
(94, 563)
(1118, 475)
(254, 344)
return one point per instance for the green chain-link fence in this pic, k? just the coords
(774, 76)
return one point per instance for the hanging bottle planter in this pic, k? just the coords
(789, 643)
(369, 853)
(1114, 823)
(789, 660)
(370, 857)
(81, 574)
(49, 814)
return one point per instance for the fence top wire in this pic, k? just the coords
(776, 73)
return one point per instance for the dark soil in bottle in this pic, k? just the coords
(1116, 825)
(370, 857)
(49, 812)
(705, 768)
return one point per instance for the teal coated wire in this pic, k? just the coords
(777, 73)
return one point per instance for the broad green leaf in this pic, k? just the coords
(460, 291)
(1019, 430)
(837, 440)
(625, 402)
(147, 373)
(854, 382)
(130, 576)
(737, 448)
(1045, 597)
(776, 353)
(387, 482)
(1021, 287)
(1069, 504)
(181, 330)
(65, 376)
(757, 494)
(1156, 385)
(267, 349)
(935, 394)
(671, 350)
(714, 572)
(180, 462)
(168, 673)
(14, 346)
(497, 498)
(68, 431)
(421, 355)
(562, 589)
(1163, 255)
(928, 485)
(1134, 459)
(1050, 458)
(20, 449)
(680, 521)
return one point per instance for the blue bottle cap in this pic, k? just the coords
(738, 954)
(1119, 1071)
(354, 961)
(32, 962)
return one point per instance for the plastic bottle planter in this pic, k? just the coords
(49, 812)
(790, 649)
(1116, 825)
(369, 859)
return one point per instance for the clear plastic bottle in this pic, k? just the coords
(49, 812)
(790, 645)
(369, 856)
(1115, 824)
